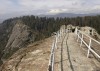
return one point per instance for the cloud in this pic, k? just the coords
(55, 11)
(25, 7)
(96, 7)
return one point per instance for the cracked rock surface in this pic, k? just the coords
(33, 58)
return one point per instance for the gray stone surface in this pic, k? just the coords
(21, 34)
(33, 58)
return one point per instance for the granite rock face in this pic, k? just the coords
(19, 37)
(34, 57)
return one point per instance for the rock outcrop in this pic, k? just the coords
(20, 36)
(33, 58)
(91, 32)
(87, 30)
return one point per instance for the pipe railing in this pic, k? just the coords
(80, 36)
(52, 56)
(57, 37)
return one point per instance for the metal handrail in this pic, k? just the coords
(57, 35)
(52, 55)
(78, 32)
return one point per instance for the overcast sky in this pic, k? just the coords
(11, 8)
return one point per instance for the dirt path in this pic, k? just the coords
(70, 57)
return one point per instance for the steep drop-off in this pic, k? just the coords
(34, 57)
(20, 36)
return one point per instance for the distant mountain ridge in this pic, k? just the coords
(62, 15)
(70, 15)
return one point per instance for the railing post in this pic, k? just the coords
(81, 40)
(56, 41)
(78, 36)
(89, 48)
(53, 58)
(76, 31)
(60, 34)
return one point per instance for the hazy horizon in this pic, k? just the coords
(16, 8)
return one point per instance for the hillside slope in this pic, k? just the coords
(19, 37)
(33, 58)
(14, 36)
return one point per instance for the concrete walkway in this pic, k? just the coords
(70, 57)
